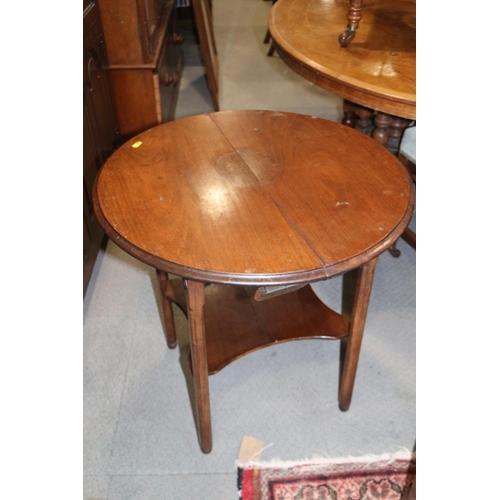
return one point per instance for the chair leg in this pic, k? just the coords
(395, 252)
(267, 38)
(409, 236)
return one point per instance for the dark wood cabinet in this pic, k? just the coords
(100, 128)
(145, 61)
(132, 63)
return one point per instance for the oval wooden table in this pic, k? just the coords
(258, 204)
(377, 70)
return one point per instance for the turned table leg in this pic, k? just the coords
(195, 298)
(385, 129)
(350, 118)
(167, 296)
(360, 308)
(396, 129)
(353, 18)
(358, 117)
(389, 130)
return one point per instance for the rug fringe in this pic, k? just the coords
(402, 453)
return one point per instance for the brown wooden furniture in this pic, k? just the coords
(377, 71)
(100, 128)
(145, 61)
(255, 204)
(205, 27)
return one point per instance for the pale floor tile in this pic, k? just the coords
(106, 356)
(266, 82)
(95, 487)
(239, 13)
(243, 49)
(173, 487)
(278, 97)
(114, 293)
(194, 98)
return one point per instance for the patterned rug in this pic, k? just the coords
(387, 477)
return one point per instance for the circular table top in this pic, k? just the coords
(253, 197)
(377, 69)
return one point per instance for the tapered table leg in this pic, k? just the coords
(167, 296)
(195, 298)
(360, 309)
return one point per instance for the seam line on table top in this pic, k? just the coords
(277, 205)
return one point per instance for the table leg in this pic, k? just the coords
(353, 17)
(360, 308)
(195, 298)
(350, 118)
(389, 131)
(167, 296)
(385, 129)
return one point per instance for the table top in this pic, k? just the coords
(253, 197)
(377, 69)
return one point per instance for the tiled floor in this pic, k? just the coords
(139, 436)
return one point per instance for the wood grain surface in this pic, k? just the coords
(253, 197)
(236, 324)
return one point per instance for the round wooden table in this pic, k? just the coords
(266, 201)
(378, 68)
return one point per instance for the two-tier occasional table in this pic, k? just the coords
(248, 208)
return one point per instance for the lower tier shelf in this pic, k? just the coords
(236, 324)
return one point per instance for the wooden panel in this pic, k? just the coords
(122, 31)
(92, 231)
(98, 93)
(135, 100)
(153, 10)
(236, 324)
